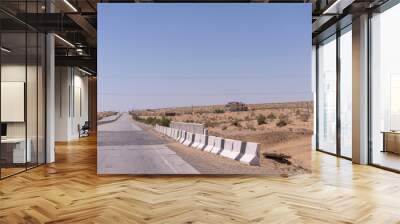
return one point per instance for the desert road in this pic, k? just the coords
(125, 148)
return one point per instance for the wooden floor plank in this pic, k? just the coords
(70, 191)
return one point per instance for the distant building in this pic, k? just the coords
(170, 114)
(236, 106)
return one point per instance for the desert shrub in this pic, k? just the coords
(151, 120)
(224, 127)
(164, 121)
(261, 119)
(210, 124)
(304, 117)
(101, 115)
(134, 116)
(236, 123)
(281, 123)
(250, 126)
(219, 111)
(271, 116)
(298, 112)
(283, 116)
(283, 120)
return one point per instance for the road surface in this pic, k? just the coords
(125, 148)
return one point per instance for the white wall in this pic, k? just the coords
(33, 126)
(314, 92)
(12, 73)
(71, 93)
(62, 81)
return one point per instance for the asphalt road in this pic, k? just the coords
(125, 148)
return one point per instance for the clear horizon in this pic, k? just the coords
(176, 55)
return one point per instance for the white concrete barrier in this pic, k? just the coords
(238, 150)
(189, 127)
(189, 139)
(245, 152)
(228, 146)
(203, 142)
(251, 154)
(218, 145)
(178, 134)
(183, 137)
(174, 132)
(197, 140)
(210, 143)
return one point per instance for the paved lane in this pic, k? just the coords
(125, 148)
(124, 123)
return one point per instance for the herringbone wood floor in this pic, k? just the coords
(69, 191)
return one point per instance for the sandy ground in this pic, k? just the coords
(208, 163)
(298, 147)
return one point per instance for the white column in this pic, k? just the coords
(63, 101)
(50, 99)
(314, 92)
(360, 90)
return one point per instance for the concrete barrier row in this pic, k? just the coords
(189, 127)
(109, 119)
(244, 152)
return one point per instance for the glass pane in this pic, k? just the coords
(346, 93)
(31, 98)
(385, 82)
(41, 99)
(327, 96)
(13, 76)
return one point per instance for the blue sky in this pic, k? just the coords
(166, 55)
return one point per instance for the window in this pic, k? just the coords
(327, 95)
(22, 89)
(346, 92)
(385, 89)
